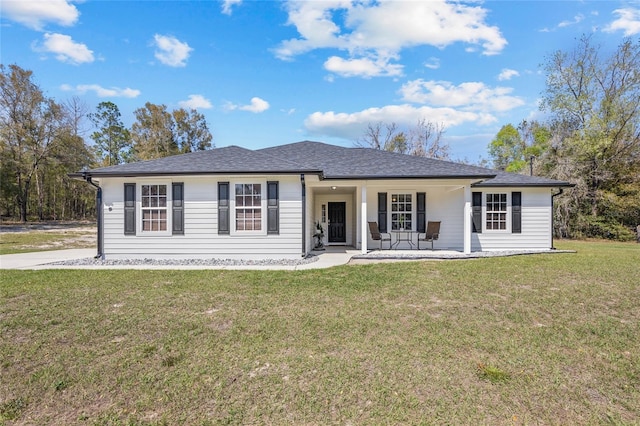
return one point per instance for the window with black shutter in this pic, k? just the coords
(421, 199)
(223, 207)
(273, 220)
(129, 209)
(516, 212)
(476, 209)
(382, 211)
(178, 208)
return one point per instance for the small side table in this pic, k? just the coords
(404, 235)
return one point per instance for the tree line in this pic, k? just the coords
(42, 141)
(591, 138)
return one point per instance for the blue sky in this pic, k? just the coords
(266, 73)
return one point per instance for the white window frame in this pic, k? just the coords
(233, 208)
(412, 212)
(167, 208)
(506, 211)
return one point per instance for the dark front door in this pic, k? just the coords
(337, 219)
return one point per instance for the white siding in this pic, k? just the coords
(444, 203)
(536, 223)
(201, 239)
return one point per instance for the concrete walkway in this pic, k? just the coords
(39, 260)
(332, 256)
(44, 260)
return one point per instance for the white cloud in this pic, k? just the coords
(470, 96)
(171, 51)
(352, 125)
(227, 5)
(363, 67)
(101, 92)
(196, 102)
(507, 74)
(433, 64)
(257, 105)
(628, 21)
(36, 13)
(440, 102)
(378, 30)
(65, 49)
(576, 20)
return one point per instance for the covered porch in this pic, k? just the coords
(341, 209)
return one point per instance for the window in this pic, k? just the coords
(248, 207)
(401, 211)
(496, 211)
(154, 208)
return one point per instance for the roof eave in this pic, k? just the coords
(528, 185)
(191, 173)
(396, 177)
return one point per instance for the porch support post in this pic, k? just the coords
(467, 219)
(364, 236)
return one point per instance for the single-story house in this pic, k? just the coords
(235, 203)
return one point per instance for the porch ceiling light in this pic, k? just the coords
(333, 188)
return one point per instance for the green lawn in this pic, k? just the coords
(538, 339)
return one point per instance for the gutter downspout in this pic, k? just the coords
(99, 213)
(552, 214)
(304, 216)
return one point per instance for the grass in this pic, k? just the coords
(538, 339)
(40, 240)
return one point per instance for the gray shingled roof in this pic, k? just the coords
(227, 160)
(515, 179)
(329, 161)
(365, 163)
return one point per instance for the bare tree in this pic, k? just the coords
(422, 140)
(378, 136)
(77, 111)
(426, 140)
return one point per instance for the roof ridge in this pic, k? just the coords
(286, 160)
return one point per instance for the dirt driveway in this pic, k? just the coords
(48, 235)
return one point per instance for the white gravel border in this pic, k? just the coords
(435, 254)
(91, 261)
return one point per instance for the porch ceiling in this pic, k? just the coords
(334, 190)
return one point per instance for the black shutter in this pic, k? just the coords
(273, 221)
(382, 211)
(223, 207)
(422, 211)
(476, 209)
(516, 212)
(129, 209)
(178, 208)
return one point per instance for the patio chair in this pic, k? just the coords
(376, 235)
(432, 233)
